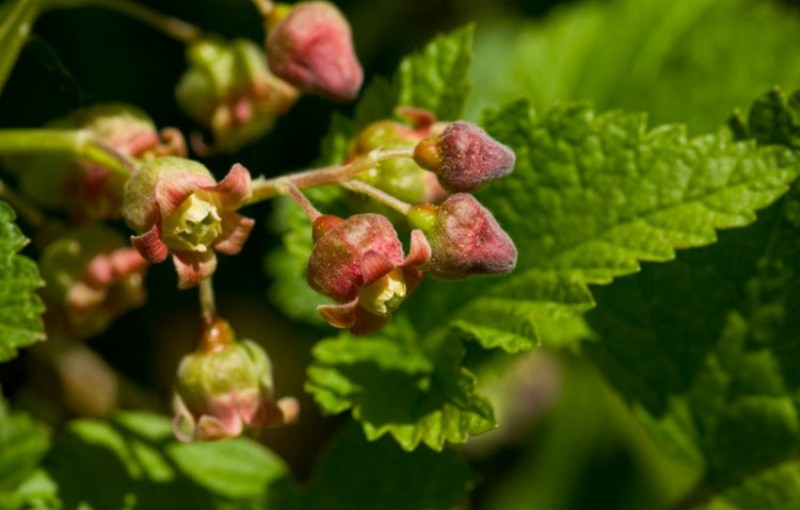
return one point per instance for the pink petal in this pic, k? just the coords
(101, 270)
(235, 230)
(367, 322)
(374, 266)
(150, 245)
(193, 267)
(340, 316)
(234, 189)
(420, 250)
(173, 189)
(125, 261)
(211, 428)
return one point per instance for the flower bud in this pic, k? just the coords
(92, 276)
(360, 264)
(311, 47)
(229, 90)
(464, 157)
(177, 207)
(465, 239)
(88, 191)
(226, 386)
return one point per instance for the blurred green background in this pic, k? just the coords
(567, 442)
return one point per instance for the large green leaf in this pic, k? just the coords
(16, 21)
(20, 307)
(23, 443)
(133, 462)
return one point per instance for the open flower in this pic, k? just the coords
(177, 207)
(359, 263)
(93, 277)
(465, 239)
(225, 386)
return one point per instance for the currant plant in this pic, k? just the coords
(444, 259)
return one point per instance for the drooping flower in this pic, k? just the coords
(226, 386)
(464, 157)
(178, 208)
(89, 191)
(465, 239)
(92, 276)
(229, 90)
(310, 46)
(359, 263)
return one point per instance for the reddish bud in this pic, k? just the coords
(465, 239)
(464, 157)
(311, 47)
(178, 208)
(226, 386)
(92, 276)
(360, 264)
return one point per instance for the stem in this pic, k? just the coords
(265, 7)
(168, 25)
(264, 189)
(78, 143)
(207, 303)
(379, 195)
(297, 195)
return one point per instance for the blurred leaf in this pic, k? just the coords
(16, 21)
(689, 61)
(23, 443)
(395, 382)
(133, 462)
(774, 119)
(20, 307)
(381, 475)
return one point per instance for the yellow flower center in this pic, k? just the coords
(383, 296)
(194, 226)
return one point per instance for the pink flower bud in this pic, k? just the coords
(178, 208)
(226, 386)
(311, 47)
(464, 157)
(360, 264)
(92, 277)
(465, 239)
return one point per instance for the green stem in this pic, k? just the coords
(168, 25)
(379, 195)
(264, 188)
(207, 303)
(32, 214)
(81, 144)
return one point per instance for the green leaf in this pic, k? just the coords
(774, 119)
(705, 350)
(416, 390)
(16, 21)
(20, 307)
(688, 61)
(23, 443)
(592, 195)
(381, 475)
(133, 462)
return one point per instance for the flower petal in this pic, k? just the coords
(150, 245)
(420, 250)
(374, 266)
(211, 428)
(235, 230)
(234, 189)
(183, 425)
(174, 188)
(193, 267)
(340, 316)
(367, 322)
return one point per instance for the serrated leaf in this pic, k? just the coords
(23, 443)
(133, 462)
(705, 351)
(20, 307)
(591, 196)
(426, 479)
(16, 21)
(396, 383)
(775, 119)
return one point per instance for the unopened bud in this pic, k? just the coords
(464, 157)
